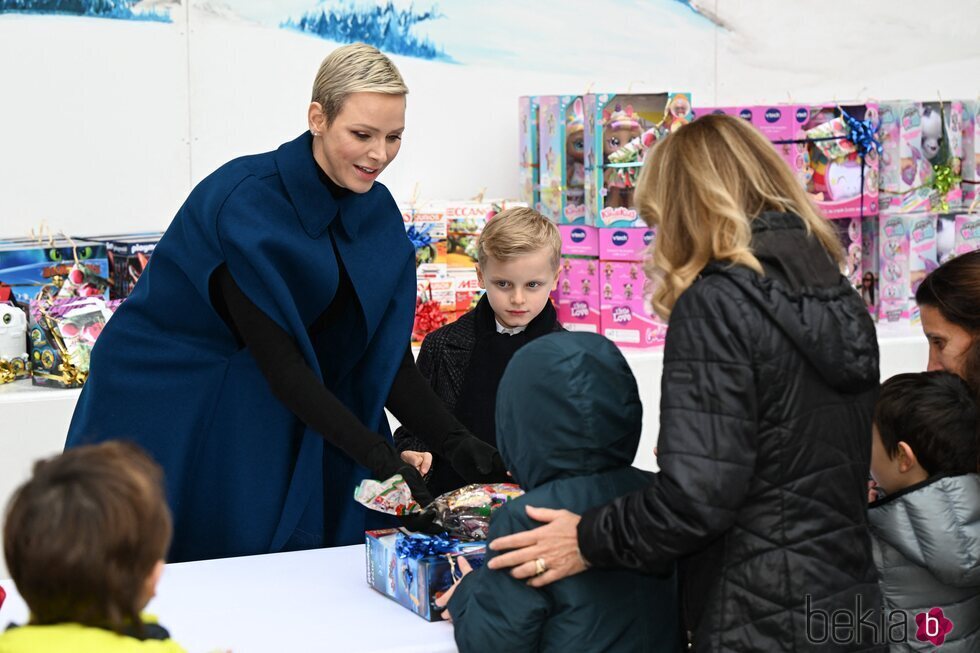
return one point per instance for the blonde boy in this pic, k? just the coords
(519, 253)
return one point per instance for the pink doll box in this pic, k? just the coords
(579, 313)
(971, 152)
(916, 137)
(850, 234)
(620, 280)
(626, 244)
(579, 240)
(629, 324)
(869, 263)
(528, 151)
(579, 278)
(620, 128)
(561, 158)
(778, 123)
(967, 238)
(908, 254)
(829, 165)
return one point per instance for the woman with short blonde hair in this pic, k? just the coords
(769, 382)
(257, 353)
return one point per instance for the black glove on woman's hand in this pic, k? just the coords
(473, 459)
(384, 462)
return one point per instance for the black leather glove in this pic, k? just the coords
(384, 462)
(473, 459)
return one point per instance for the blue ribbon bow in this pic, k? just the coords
(420, 546)
(419, 237)
(861, 133)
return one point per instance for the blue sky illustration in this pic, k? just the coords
(115, 9)
(573, 36)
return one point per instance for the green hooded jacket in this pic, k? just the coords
(568, 426)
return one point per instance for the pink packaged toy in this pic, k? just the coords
(869, 263)
(837, 157)
(626, 317)
(778, 123)
(620, 129)
(528, 151)
(626, 244)
(908, 254)
(561, 142)
(922, 156)
(971, 152)
(579, 240)
(577, 296)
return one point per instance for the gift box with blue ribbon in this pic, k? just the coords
(416, 569)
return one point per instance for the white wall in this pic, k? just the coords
(105, 125)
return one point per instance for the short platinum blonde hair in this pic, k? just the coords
(354, 68)
(516, 232)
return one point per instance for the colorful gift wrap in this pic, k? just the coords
(27, 265)
(415, 570)
(62, 334)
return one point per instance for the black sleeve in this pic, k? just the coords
(707, 443)
(294, 383)
(402, 393)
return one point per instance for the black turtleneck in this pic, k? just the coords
(411, 399)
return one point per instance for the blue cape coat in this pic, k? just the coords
(243, 474)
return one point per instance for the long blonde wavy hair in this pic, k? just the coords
(701, 188)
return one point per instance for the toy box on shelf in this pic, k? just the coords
(780, 123)
(529, 170)
(908, 253)
(561, 158)
(626, 317)
(620, 128)
(577, 294)
(128, 256)
(26, 264)
(426, 228)
(923, 155)
(971, 152)
(14, 358)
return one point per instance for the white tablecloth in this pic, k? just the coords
(34, 421)
(286, 602)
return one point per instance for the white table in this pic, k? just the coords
(34, 421)
(312, 601)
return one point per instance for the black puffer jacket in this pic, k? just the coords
(768, 390)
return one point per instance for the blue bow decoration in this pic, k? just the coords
(419, 237)
(420, 546)
(862, 133)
